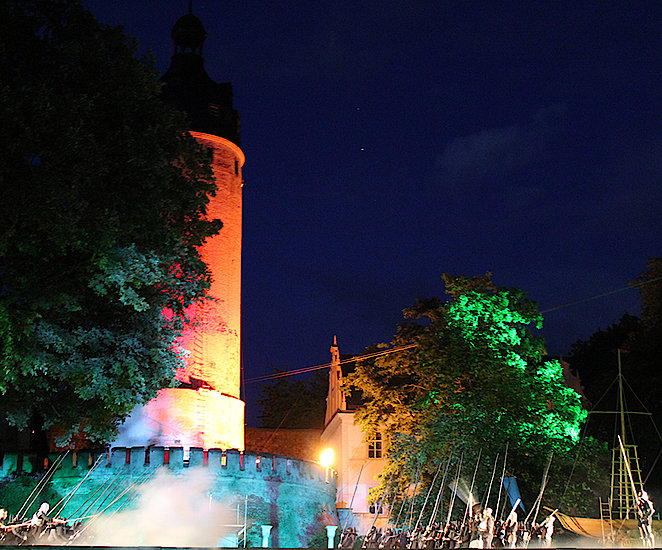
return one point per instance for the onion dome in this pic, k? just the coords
(188, 87)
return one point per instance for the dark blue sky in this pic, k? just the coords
(389, 142)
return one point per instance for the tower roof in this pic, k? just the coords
(189, 88)
(188, 34)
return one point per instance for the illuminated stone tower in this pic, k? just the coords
(206, 409)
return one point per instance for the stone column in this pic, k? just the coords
(331, 535)
(266, 531)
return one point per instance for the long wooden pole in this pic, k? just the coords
(473, 482)
(39, 487)
(427, 496)
(353, 495)
(65, 500)
(489, 488)
(413, 496)
(543, 485)
(627, 467)
(452, 502)
(468, 511)
(404, 503)
(381, 500)
(621, 400)
(503, 474)
(440, 494)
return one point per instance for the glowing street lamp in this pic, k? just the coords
(326, 458)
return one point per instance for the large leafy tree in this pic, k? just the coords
(596, 361)
(103, 206)
(640, 343)
(649, 284)
(470, 379)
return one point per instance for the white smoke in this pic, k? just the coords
(169, 511)
(461, 489)
(141, 429)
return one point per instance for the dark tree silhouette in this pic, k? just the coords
(103, 206)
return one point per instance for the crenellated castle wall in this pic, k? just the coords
(297, 497)
(222, 462)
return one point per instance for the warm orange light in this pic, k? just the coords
(195, 418)
(327, 457)
(207, 410)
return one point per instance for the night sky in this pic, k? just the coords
(389, 142)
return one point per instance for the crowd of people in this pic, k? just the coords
(38, 529)
(482, 530)
(479, 530)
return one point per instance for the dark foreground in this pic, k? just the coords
(81, 547)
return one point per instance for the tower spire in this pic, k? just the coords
(189, 88)
(335, 399)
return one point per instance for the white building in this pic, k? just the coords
(357, 461)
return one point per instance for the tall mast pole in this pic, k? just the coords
(621, 401)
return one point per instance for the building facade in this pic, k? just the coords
(358, 461)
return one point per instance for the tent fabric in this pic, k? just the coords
(512, 490)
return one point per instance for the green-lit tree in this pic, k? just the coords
(475, 381)
(103, 206)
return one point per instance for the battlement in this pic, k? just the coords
(288, 493)
(221, 463)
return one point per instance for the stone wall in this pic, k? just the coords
(296, 497)
(298, 443)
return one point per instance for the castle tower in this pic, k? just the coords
(205, 410)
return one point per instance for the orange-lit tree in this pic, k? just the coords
(104, 196)
(476, 381)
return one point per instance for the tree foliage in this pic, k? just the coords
(289, 403)
(596, 360)
(104, 203)
(649, 284)
(475, 380)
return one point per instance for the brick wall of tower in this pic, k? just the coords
(207, 411)
(215, 343)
